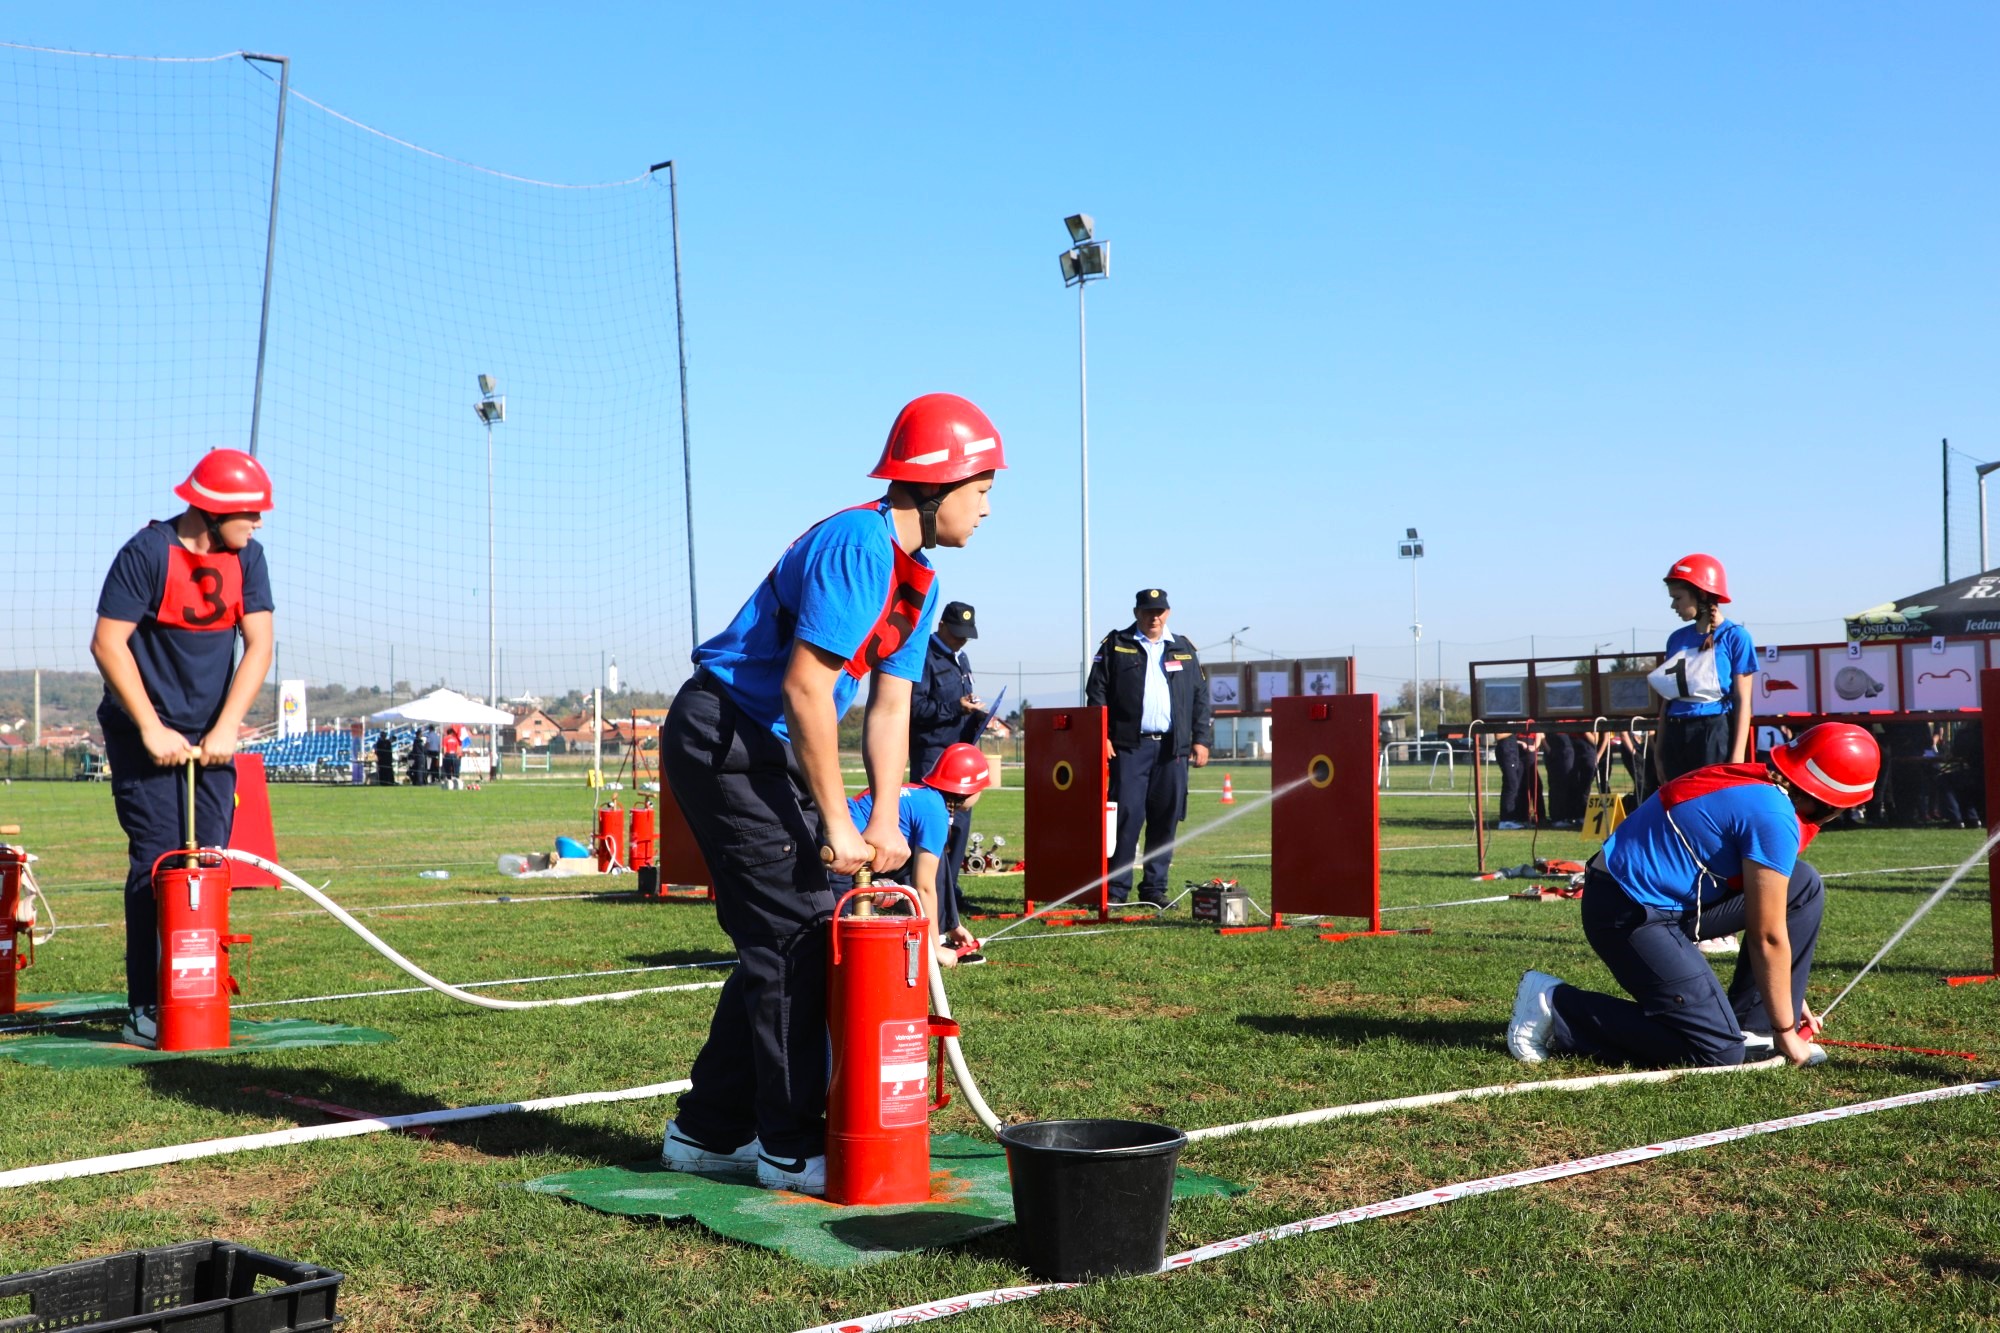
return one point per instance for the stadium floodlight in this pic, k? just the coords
(492, 409)
(1087, 260)
(1411, 548)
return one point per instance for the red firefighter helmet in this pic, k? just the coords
(227, 481)
(940, 439)
(1834, 761)
(1703, 573)
(960, 771)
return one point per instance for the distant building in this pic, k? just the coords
(534, 729)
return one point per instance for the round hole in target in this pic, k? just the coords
(1063, 775)
(1320, 771)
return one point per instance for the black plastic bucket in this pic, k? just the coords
(1091, 1197)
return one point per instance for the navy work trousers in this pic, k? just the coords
(1688, 743)
(952, 904)
(1678, 1013)
(152, 809)
(1150, 786)
(763, 1070)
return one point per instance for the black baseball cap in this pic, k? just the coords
(1150, 599)
(959, 618)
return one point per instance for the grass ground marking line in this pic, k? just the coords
(1456, 902)
(472, 902)
(1468, 1094)
(1886, 870)
(346, 1129)
(917, 1314)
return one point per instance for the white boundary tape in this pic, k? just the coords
(918, 1314)
(1471, 1094)
(346, 1129)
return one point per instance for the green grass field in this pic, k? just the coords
(1887, 1221)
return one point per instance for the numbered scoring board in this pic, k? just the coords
(1852, 679)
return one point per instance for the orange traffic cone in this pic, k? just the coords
(1228, 791)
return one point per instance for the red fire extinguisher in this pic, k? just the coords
(643, 845)
(192, 897)
(878, 1013)
(610, 830)
(13, 935)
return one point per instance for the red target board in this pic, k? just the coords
(681, 861)
(250, 827)
(1326, 830)
(1068, 782)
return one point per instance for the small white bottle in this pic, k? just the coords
(434, 874)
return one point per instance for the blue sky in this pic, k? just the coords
(1574, 292)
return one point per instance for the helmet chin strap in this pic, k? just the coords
(927, 511)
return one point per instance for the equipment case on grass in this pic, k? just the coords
(203, 1286)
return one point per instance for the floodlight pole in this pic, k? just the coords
(1083, 454)
(1983, 469)
(284, 65)
(1084, 261)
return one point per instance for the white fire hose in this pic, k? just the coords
(957, 1056)
(342, 915)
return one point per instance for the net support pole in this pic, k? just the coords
(1989, 725)
(284, 65)
(681, 347)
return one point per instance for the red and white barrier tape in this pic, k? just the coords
(929, 1310)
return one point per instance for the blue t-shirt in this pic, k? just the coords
(1751, 822)
(1735, 656)
(187, 608)
(830, 588)
(920, 814)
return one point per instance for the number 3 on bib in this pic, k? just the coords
(1689, 676)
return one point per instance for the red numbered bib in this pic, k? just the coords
(203, 592)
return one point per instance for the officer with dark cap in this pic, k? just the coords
(1157, 695)
(944, 710)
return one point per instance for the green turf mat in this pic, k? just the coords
(93, 1052)
(62, 1004)
(970, 1196)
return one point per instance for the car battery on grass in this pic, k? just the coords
(203, 1286)
(1220, 903)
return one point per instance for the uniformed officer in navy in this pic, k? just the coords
(945, 710)
(1157, 694)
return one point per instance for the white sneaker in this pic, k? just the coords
(1720, 944)
(142, 1027)
(801, 1175)
(1511, 824)
(1528, 1033)
(1762, 1046)
(678, 1152)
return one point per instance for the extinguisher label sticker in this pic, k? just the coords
(905, 1099)
(191, 956)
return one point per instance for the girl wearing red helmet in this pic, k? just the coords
(1705, 680)
(178, 596)
(925, 814)
(1711, 853)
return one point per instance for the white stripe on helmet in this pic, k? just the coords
(981, 446)
(226, 497)
(934, 456)
(1846, 788)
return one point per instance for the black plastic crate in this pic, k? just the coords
(203, 1286)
